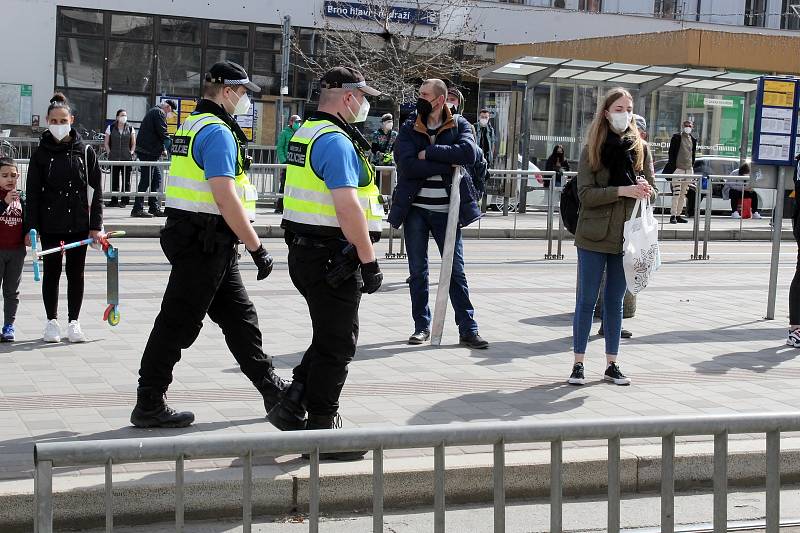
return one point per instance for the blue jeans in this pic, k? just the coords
(150, 180)
(417, 227)
(590, 275)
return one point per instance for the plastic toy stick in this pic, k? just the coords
(36, 273)
(111, 314)
(64, 247)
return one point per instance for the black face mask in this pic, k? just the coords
(424, 109)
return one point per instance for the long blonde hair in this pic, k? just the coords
(598, 131)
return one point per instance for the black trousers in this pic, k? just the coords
(334, 321)
(75, 260)
(126, 183)
(200, 284)
(736, 197)
(794, 288)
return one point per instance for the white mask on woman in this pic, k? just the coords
(620, 121)
(59, 131)
(687, 130)
(123, 119)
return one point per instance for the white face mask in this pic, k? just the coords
(363, 112)
(687, 130)
(242, 106)
(620, 121)
(483, 121)
(387, 126)
(123, 119)
(59, 131)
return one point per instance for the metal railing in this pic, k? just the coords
(496, 434)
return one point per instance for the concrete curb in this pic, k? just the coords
(141, 498)
(472, 232)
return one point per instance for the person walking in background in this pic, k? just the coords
(794, 290)
(283, 144)
(65, 204)
(430, 143)
(557, 162)
(615, 170)
(485, 137)
(737, 191)
(120, 145)
(382, 144)
(13, 239)
(682, 153)
(152, 142)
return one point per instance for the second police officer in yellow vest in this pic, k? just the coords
(332, 215)
(210, 206)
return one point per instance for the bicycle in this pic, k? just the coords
(8, 150)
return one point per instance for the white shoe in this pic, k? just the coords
(757, 215)
(736, 214)
(52, 331)
(74, 332)
(794, 339)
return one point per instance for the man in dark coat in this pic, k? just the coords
(151, 142)
(429, 145)
(682, 153)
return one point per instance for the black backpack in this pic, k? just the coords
(570, 205)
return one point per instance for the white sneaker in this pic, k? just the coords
(794, 338)
(52, 331)
(74, 332)
(756, 215)
(736, 214)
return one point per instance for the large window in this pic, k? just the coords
(667, 9)
(105, 61)
(755, 12)
(790, 15)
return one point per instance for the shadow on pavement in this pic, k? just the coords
(561, 319)
(505, 406)
(759, 362)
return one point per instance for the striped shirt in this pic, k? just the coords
(433, 195)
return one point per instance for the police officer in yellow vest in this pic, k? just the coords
(332, 214)
(210, 207)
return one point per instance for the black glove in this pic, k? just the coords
(263, 261)
(342, 266)
(372, 277)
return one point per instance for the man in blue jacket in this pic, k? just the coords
(429, 145)
(151, 142)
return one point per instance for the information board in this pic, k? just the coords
(186, 107)
(16, 104)
(776, 135)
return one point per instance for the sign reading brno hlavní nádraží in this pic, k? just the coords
(397, 14)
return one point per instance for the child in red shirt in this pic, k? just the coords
(13, 239)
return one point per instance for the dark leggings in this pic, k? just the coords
(736, 198)
(76, 261)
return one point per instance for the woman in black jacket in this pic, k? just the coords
(64, 205)
(557, 162)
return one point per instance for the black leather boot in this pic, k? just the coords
(331, 422)
(271, 388)
(152, 411)
(289, 414)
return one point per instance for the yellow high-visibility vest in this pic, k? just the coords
(307, 202)
(187, 186)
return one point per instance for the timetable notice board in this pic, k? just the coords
(776, 135)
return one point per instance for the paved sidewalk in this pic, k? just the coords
(700, 346)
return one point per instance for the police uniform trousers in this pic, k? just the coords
(204, 280)
(334, 321)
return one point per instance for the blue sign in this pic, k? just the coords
(776, 136)
(397, 14)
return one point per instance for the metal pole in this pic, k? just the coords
(179, 494)
(721, 482)
(668, 484)
(613, 485)
(696, 229)
(247, 493)
(109, 502)
(555, 486)
(777, 229)
(773, 481)
(549, 231)
(313, 493)
(707, 229)
(438, 497)
(285, 50)
(377, 490)
(44, 497)
(442, 292)
(745, 129)
(499, 487)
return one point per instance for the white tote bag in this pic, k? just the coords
(642, 256)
